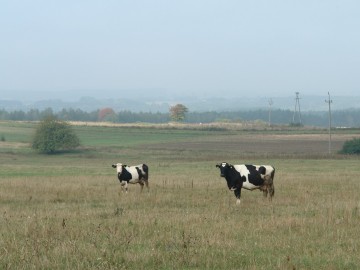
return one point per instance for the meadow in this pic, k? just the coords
(67, 211)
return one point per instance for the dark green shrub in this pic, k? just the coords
(3, 138)
(53, 135)
(351, 147)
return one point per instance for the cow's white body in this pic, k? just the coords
(138, 174)
(249, 177)
(244, 171)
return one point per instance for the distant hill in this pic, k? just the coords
(162, 104)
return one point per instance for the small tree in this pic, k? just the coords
(351, 147)
(177, 112)
(53, 135)
(106, 114)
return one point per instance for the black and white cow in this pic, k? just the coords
(132, 174)
(249, 177)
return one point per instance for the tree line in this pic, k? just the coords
(343, 118)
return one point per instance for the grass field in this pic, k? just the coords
(67, 211)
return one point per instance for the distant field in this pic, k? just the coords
(304, 144)
(67, 212)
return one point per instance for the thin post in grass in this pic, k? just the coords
(270, 104)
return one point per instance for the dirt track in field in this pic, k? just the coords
(259, 144)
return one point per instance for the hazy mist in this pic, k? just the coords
(179, 48)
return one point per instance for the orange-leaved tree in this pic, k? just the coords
(106, 114)
(177, 112)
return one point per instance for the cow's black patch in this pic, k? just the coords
(232, 176)
(243, 178)
(146, 170)
(262, 170)
(141, 175)
(124, 175)
(254, 176)
(250, 167)
(237, 193)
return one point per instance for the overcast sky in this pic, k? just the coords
(184, 47)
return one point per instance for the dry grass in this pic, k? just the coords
(67, 211)
(264, 144)
(187, 221)
(233, 126)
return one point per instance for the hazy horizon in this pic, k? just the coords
(89, 102)
(70, 96)
(179, 48)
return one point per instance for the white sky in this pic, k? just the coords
(184, 47)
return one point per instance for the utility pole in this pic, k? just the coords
(270, 104)
(297, 109)
(329, 101)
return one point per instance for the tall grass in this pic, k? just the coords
(187, 221)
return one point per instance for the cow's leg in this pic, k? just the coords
(126, 186)
(265, 192)
(264, 188)
(147, 185)
(141, 185)
(270, 188)
(266, 185)
(237, 193)
(122, 183)
(271, 191)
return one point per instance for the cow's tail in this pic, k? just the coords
(273, 174)
(146, 171)
(272, 190)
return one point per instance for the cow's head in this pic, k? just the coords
(231, 175)
(119, 167)
(223, 168)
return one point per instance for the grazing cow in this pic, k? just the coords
(132, 174)
(249, 177)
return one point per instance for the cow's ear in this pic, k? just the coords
(217, 165)
(124, 165)
(114, 166)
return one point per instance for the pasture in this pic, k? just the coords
(67, 211)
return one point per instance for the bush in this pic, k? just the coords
(351, 147)
(53, 135)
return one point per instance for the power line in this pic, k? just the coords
(297, 109)
(329, 101)
(270, 104)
